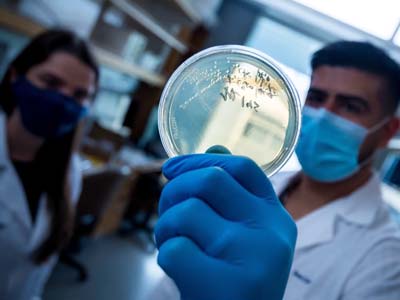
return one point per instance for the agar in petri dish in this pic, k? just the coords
(233, 96)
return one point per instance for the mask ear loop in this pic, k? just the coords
(377, 126)
(373, 129)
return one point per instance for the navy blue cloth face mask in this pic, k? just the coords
(46, 113)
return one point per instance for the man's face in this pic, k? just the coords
(357, 96)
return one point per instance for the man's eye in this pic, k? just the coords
(353, 108)
(314, 99)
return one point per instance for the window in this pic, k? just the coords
(396, 39)
(379, 18)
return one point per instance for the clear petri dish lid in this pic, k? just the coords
(233, 96)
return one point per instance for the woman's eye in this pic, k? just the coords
(81, 95)
(50, 82)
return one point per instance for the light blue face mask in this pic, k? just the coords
(329, 145)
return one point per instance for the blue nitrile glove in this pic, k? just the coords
(222, 233)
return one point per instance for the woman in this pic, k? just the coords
(43, 96)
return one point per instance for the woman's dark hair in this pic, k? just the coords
(53, 158)
(365, 57)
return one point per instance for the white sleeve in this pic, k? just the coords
(75, 178)
(165, 290)
(377, 276)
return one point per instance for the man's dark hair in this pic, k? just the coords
(365, 57)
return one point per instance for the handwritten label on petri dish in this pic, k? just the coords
(247, 85)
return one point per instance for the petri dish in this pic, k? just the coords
(233, 96)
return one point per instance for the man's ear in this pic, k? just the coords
(390, 130)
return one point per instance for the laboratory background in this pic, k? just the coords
(138, 44)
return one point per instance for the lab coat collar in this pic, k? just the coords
(362, 205)
(16, 201)
(356, 209)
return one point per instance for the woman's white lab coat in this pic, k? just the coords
(20, 278)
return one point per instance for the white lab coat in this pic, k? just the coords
(20, 278)
(346, 250)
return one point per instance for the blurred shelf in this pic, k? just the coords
(15, 22)
(188, 9)
(23, 25)
(139, 15)
(115, 62)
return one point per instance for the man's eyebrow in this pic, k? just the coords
(358, 99)
(314, 90)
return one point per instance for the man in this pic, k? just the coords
(347, 247)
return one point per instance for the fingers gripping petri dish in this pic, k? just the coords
(235, 97)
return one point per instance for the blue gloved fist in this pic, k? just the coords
(222, 233)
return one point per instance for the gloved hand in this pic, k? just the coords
(222, 233)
